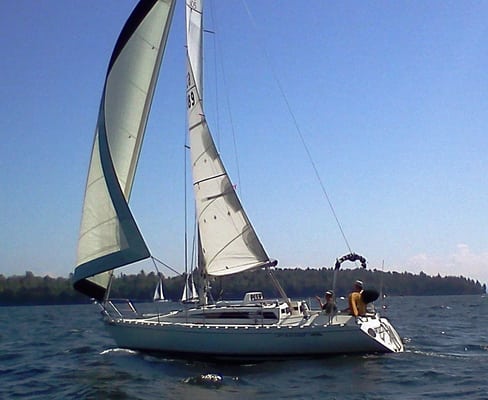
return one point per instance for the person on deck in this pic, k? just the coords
(357, 307)
(329, 306)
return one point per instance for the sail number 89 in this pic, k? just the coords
(191, 99)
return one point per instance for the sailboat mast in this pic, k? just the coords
(109, 286)
(203, 281)
(278, 286)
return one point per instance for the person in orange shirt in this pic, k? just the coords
(357, 306)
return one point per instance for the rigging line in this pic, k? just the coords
(218, 50)
(189, 259)
(155, 266)
(185, 205)
(297, 128)
(214, 64)
(166, 265)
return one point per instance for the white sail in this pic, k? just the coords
(190, 293)
(159, 292)
(109, 237)
(228, 240)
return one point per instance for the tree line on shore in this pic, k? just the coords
(29, 289)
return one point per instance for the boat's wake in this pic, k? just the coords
(210, 380)
(118, 350)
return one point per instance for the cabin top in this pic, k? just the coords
(253, 298)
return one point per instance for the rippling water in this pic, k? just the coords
(63, 352)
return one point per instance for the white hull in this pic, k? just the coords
(295, 336)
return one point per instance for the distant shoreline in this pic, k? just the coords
(31, 290)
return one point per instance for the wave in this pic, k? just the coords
(118, 350)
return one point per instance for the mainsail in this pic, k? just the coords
(228, 241)
(109, 236)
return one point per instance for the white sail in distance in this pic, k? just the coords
(159, 292)
(228, 241)
(189, 291)
(109, 236)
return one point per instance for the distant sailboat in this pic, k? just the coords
(190, 294)
(159, 292)
(253, 328)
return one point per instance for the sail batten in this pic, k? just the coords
(209, 179)
(109, 236)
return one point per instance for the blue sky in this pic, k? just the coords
(391, 98)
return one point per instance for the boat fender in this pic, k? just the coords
(368, 296)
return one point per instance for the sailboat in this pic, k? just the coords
(190, 294)
(159, 292)
(251, 329)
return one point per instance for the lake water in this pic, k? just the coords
(63, 352)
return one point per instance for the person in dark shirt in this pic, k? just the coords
(329, 305)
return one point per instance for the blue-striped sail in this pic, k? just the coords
(109, 236)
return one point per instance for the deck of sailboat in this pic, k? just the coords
(237, 316)
(262, 328)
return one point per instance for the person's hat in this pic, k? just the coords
(359, 283)
(329, 293)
